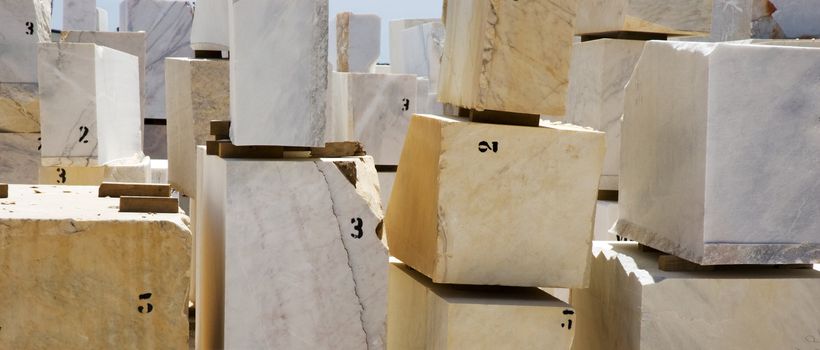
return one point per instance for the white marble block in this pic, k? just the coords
(510, 56)
(631, 304)
(303, 264)
(377, 110)
(279, 82)
(386, 180)
(20, 158)
(131, 170)
(102, 20)
(714, 175)
(358, 42)
(80, 15)
(19, 107)
(209, 31)
(23, 24)
(478, 203)
(78, 274)
(606, 215)
(159, 173)
(598, 74)
(197, 94)
(89, 103)
(397, 27)
(670, 17)
(167, 24)
(422, 47)
(425, 315)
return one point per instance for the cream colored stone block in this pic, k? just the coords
(495, 204)
(671, 17)
(78, 274)
(425, 315)
(127, 170)
(507, 55)
(19, 108)
(631, 304)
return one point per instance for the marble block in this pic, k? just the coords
(159, 172)
(102, 20)
(19, 108)
(125, 170)
(426, 101)
(382, 69)
(155, 141)
(20, 158)
(386, 180)
(631, 304)
(303, 264)
(377, 110)
(167, 24)
(23, 24)
(198, 93)
(397, 27)
(422, 48)
(480, 180)
(70, 257)
(670, 17)
(719, 177)
(598, 74)
(89, 103)
(508, 56)
(80, 15)
(606, 215)
(425, 315)
(764, 19)
(358, 42)
(209, 31)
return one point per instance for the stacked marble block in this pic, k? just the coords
(416, 47)
(24, 25)
(763, 19)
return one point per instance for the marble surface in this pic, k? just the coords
(159, 174)
(134, 170)
(102, 20)
(508, 56)
(209, 30)
(80, 15)
(796, 18)
(89, 102)
(155, 141)
(303, 266)
(671, 17)
(425, 315)
(167, 24)
(606, 215)
(278, 83)
(358, 42)
(422, 48)
(18, 42)
(598, 74)
(450, 230)
(630, 304)
(198, 93)
(397, 27)
(67, 252)
(21, 158)
(19, 107)
(426, 101)
(715, 176)
(386, 180)
(376, 108)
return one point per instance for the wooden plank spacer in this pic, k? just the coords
(165, 205)
(4, 190)
(120, 189)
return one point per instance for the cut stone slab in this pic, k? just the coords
(599, 72)
(281, 101)
(631, 304)
(358, 42)
(80, 15)
(102, 20)
(19, 108)
(425, 315)
(606, 215)
(209, 31)
(477, 220)
(427, 102)
(670, 17)
(89, 103)
(397, 27)
(308, 269)
(24, 24)
(159, 173)
(67, 252)
(21, 157)
(508, 56)
(422, 47)
(199, 92)
(155, 141)
(386, 180)
(375, 109)
(131, 171)
(695, 180)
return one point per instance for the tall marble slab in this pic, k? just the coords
(89, 103)
(765, 19)
(425, 315)
(21, 157)
(167, 26)
(209, 31)
(631, 304)
(102, 20)
(303, 264)
(68, 253)
(375, 109)
(24, 24)
(397, 27)
(495, 209)
(198, 92)
(670, 17)
(19, 107)
(358, 42)
(80, 15)
(508, 56)
(598, 74)
(716, 176)
(278, 84)
(422, 47)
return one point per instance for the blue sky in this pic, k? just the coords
(387, 9)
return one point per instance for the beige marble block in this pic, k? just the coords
(671, 17)
(127, 170)
(507, 55)
(19, 158)
(425, 315)
(78, 274)
(198, 92)
(630, 304)
(477, 203)
(19, 108)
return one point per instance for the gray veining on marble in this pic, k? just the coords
(19, 107)
(23, 24)
(79, 15)
(20, 160)
(210, 27)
